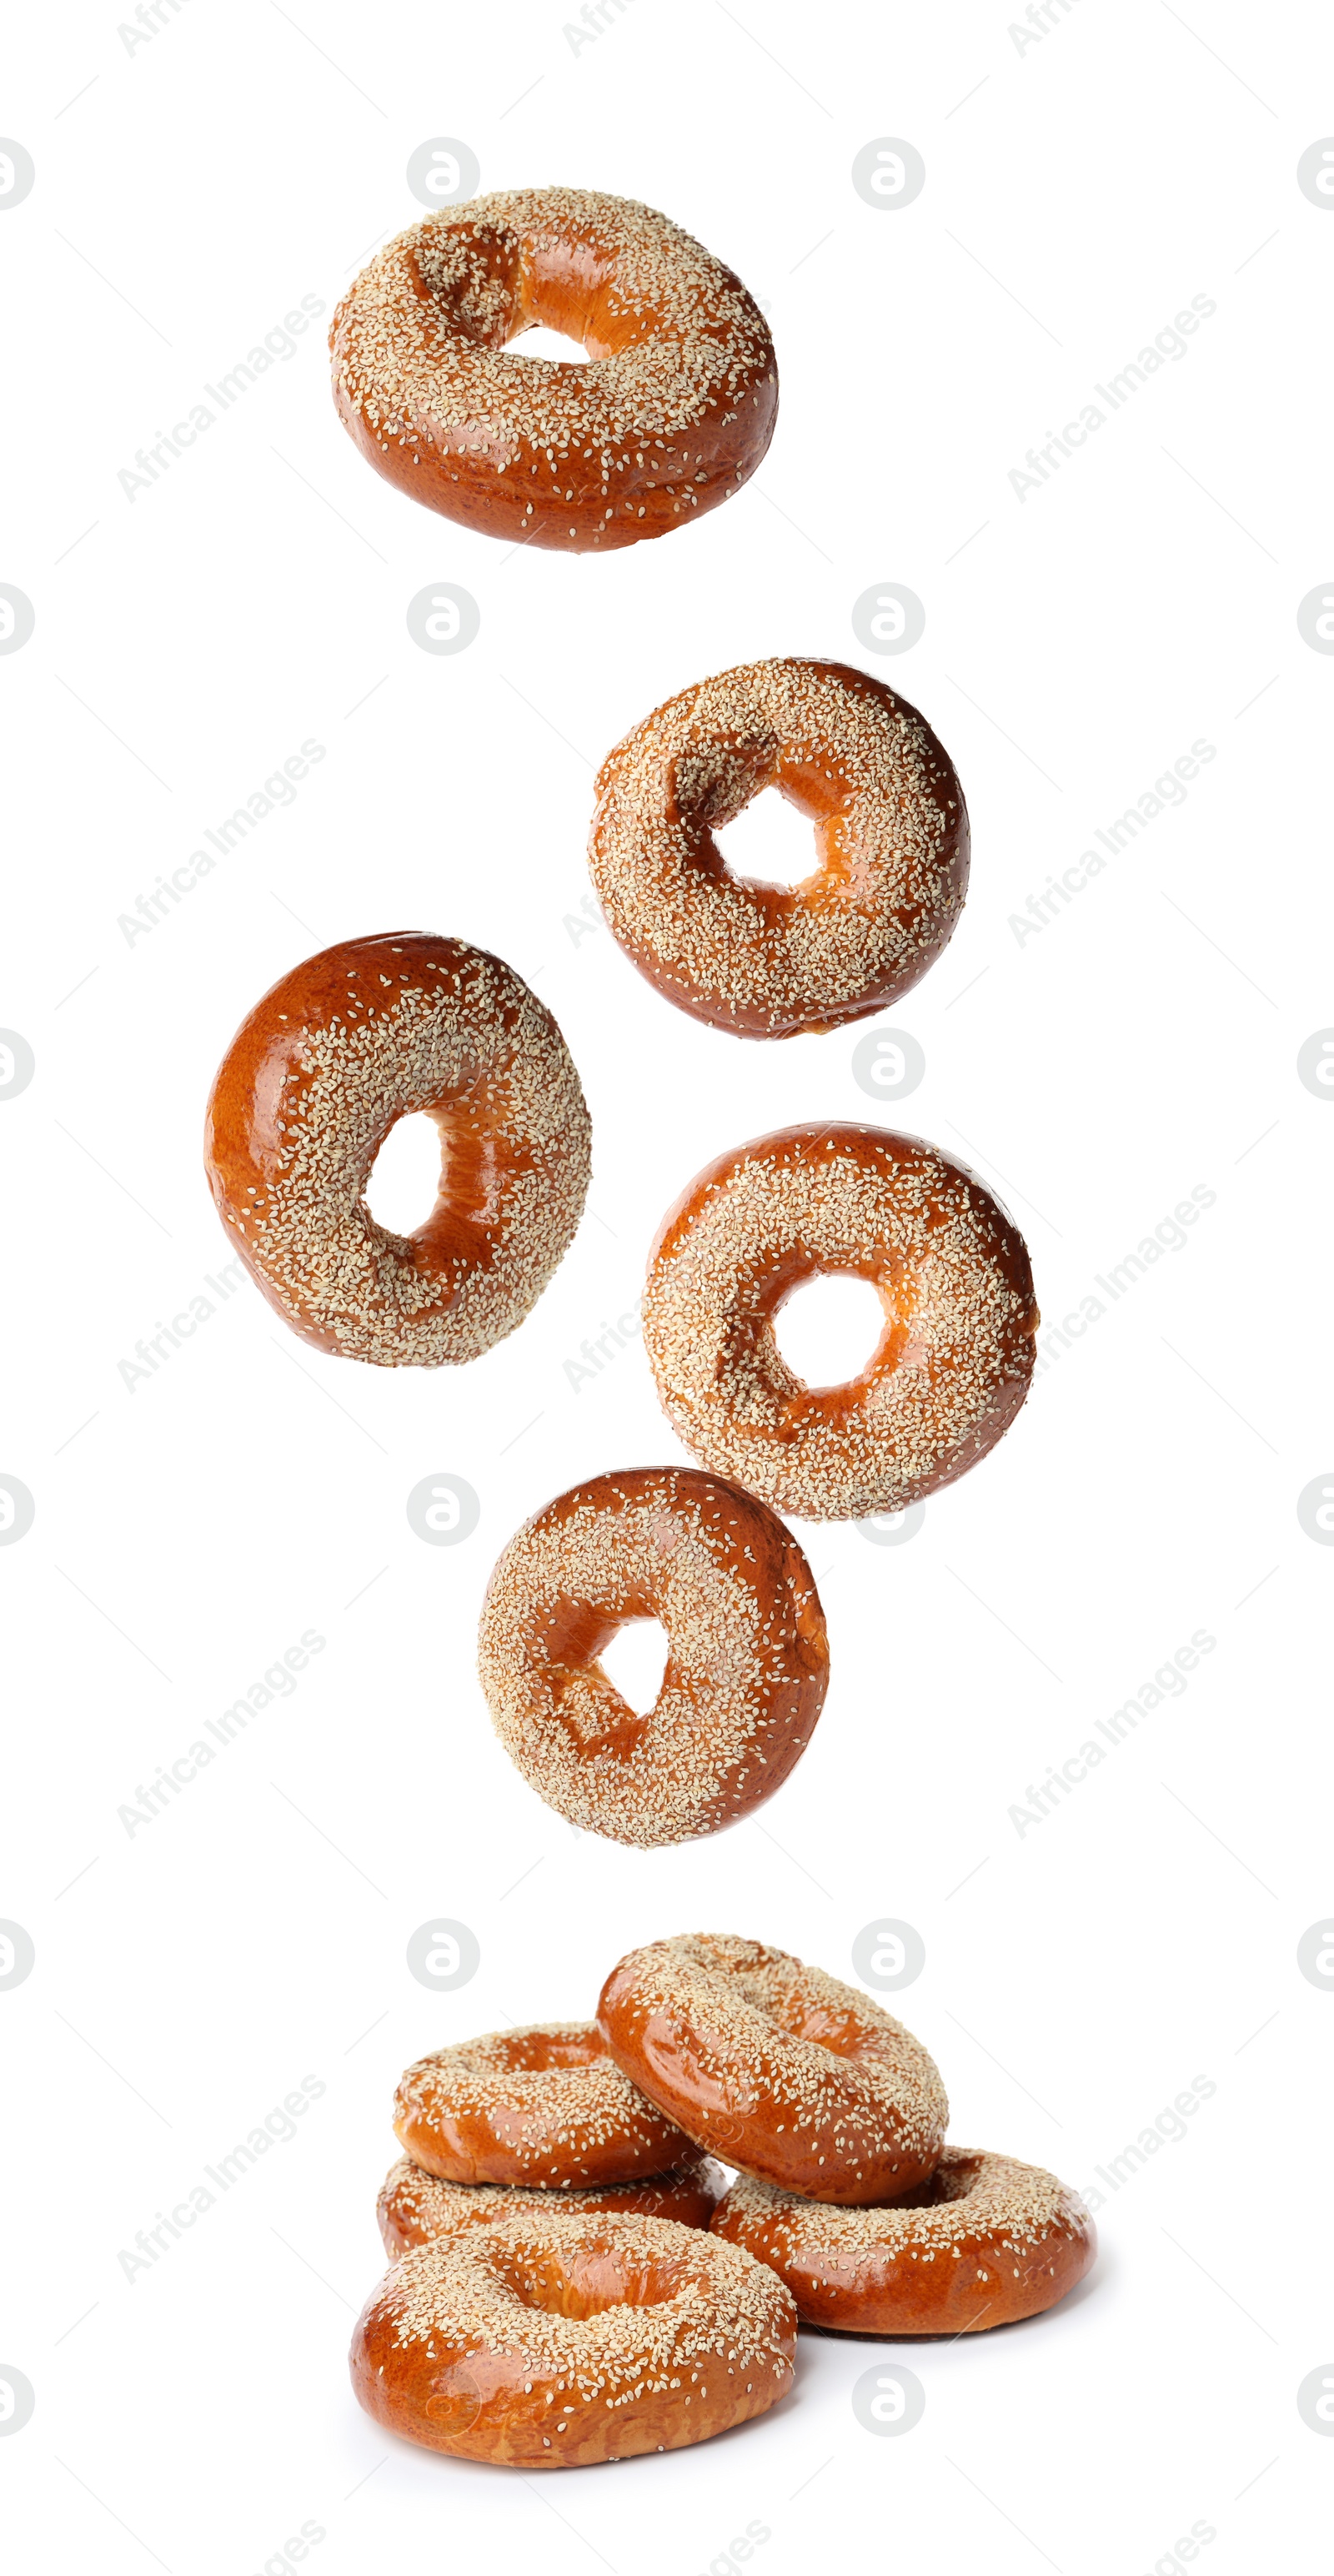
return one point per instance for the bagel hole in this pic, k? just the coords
(634, 1661)
(553, 346)
(830, 1329)
(404, 1179)
(585, 2284)
(769, 842)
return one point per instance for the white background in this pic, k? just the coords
(1079, 193)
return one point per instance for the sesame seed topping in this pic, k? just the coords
(676, 348)
(544, 2105)
(611, 2330)
(889, 858)
(776, 2066)
(747, 1653)
(983, 2241)
(973, 2199)
(414, 2206)
(954, 1361)
(303, 1102)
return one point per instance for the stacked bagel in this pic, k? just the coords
(574, 2280)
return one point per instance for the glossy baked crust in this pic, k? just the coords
(952, 1272)
(546, 2107)
(889, 853)
(317, 1074)
(414, 2207)
(776, 2067)
(748, 1657)
(557, 2343)
(985, 2241)
(672, 412)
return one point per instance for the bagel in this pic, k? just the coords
(544, 2106)
(776, 2067)
(337, 1051)
(984, 2241)
(414, 2207)
(889, 863)
(954, 1360)
(747, 1667)
(672, 412)
(559, 2342)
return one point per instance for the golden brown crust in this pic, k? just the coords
(748, 1658)
(545, 2107)
(889, 855)
(414, 2207)
(673, 411)
(985, 2241)
(557, 2343)
(318, 1073)
(952, 1271)
(775, 2066)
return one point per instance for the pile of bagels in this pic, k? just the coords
(573, 2279)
